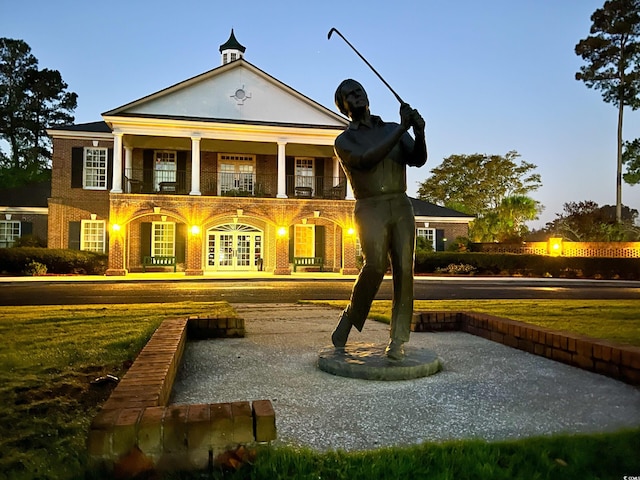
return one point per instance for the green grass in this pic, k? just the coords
(48, 355)
(614, 320)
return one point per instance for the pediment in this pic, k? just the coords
(237, 92)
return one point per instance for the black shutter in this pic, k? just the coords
(110, 169)
(319, 240)
(289, 171)
(181, 242)
(292, 230)
(181, 174)
(74, 235)
(319, 174)
(145, 240)
(439, 240)
(26, 228)
(77, 166)
(147, 172)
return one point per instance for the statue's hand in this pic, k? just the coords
(406, 116)
(417, 122)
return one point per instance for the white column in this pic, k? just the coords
(128, 166)
(349, 191)
(195, 166)
(282, 177)
(116, 185)
(336, 172)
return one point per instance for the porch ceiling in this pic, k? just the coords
(227, 146)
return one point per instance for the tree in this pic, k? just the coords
(495, 188)
(31, 100)
(631, 158)
(587, 222)
(612, 53)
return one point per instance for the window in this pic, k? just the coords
(304, 241)
(163, 239)
(304, 172)
(428, 236)
(165, 168)
(92, 236)
(236, 173)
(95, 168)
(9, 232)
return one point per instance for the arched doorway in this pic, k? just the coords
(234, 246)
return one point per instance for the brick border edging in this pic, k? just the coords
(618, 361)
(137, 420)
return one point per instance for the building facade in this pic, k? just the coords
(228, 170)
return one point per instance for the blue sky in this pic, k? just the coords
(488, 76)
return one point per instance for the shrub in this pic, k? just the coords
(35, 268)
(15, 261)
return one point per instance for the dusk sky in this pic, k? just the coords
(488, 76)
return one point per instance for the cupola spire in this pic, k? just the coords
(231, 50)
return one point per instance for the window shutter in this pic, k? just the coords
(26, 228)
(181, 242)
(77, 166)
(145, 240)
(74, 235)
(292, 232)
(319, 241)
(289, 170)
(110, 169)
(181, 174)
(439, 240)
(147, 172)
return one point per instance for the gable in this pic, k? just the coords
(237, 92)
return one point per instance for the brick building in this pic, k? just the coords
(228, 170)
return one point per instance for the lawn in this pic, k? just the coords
(615, 320)
(49, 355)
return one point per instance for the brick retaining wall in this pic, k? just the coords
(618, 361)
(137, 427)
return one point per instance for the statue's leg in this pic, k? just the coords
(402, 262)
(374, 240)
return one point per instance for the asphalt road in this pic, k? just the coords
(289, 290)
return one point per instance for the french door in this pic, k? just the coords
(234, 247)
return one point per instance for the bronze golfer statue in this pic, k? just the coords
(374, 155)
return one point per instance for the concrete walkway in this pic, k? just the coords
(486, 390)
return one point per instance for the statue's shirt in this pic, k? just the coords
(374, 178)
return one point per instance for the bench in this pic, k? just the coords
(307, 262)
(158, 262)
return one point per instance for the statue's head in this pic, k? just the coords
(345, 89)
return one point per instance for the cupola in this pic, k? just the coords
(231, 50)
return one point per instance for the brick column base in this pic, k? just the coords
(349, 271)
(116, 272)
(193, 272)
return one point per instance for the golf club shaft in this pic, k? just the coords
(368, 64)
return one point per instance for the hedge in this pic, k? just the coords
(532, 265)
(22, 260)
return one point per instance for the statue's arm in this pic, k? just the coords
(364, 157)
(416, 150)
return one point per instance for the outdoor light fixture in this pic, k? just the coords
(115, 227)
(282, 231)
(350, 231)
(555, 246)
(195, 230)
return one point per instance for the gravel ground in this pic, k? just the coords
(486, 390)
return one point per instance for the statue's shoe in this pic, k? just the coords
(395, 350)
(341, 333)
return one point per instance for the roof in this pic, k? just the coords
(30, 195)
(95, 127)
(426, 209)
(232, 44)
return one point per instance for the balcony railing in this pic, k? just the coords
(232, 184)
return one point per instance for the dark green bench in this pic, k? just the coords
(307, 262)
(158, 262)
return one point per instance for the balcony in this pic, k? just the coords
(231, 184)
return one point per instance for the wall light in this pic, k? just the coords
(350, 231)
(282, 231)
(555, 246)
(115, 227)
(195, 230)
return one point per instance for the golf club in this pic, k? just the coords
(365, 61)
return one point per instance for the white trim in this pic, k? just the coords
(80, 135)
(26, 210)
(445, 219)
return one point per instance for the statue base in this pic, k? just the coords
(368, 361)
